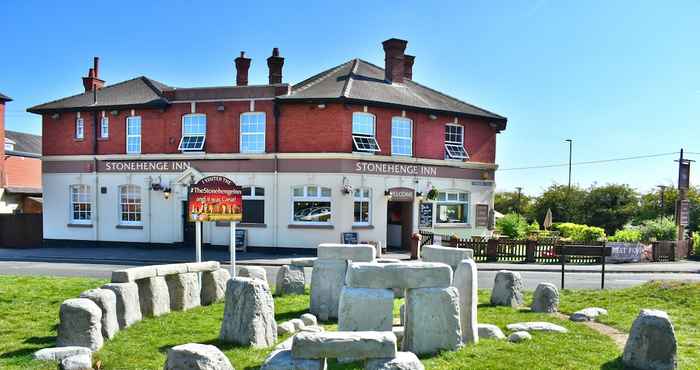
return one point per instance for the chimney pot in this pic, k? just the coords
(275, 63)
(92, 82)
(408, 66)
(394, 59)
(242, 66)
(96, 66)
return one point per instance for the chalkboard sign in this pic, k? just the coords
(482, 215)
(425, 215)
(241, 240)
(348, 238)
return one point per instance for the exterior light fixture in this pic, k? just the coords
(166, 193)
(56, 116)
(432, 117)
(220, 107)
(347, 188)
(114, 112)
(387, 193)
(419, 195)
(321, 106)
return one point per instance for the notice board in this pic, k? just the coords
(425, 215)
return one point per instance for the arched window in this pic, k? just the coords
(311, 205)
(194, 132)
(362, 206)
(452, 207)
(364, 133)
(130, 205)
(252, 132)
(80, 204)
(253, 205)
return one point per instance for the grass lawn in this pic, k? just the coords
(29, 315)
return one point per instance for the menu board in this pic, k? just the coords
(482, 215)
(241, 242)
(425, 215)
(348, 238)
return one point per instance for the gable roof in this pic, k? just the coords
(4, 98)
(138, 92)
(360, 81)
(26, 145)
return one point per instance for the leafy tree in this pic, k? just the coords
(566, 206)
(650, 206)
(507, 202)
(627, 235)
(512, 225)
(610, 207)
(661, 229)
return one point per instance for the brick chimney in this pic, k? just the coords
(242, 66)
(408, 66)
(92, 82)
(275, 63)
(394, 59)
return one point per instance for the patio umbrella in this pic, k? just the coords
(548, 219)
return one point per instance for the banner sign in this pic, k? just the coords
(215, 198)
(625, 252)
(683, 212)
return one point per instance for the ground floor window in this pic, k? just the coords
(362, 204)
(452, 207)
(81, 204)
(130, 204)
(311, 204)
(253, 205)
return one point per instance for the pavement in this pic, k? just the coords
(126, 255)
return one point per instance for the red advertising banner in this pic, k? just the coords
(215, 198)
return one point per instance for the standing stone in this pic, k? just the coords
(80, 324)
(290, 280)
(282, 359)
(184, 291)
(432, 320)
(195, 356)
(153, 296)
(214, 286)
(107, 302)
(651, 344)
(546, 298)
(507, 289)
(309, 319)
(447, 255)
(128, 306)
(402, 314)
(402, 361)
(465, 280)
(255, 272)
(249, 314)
(365, 309)
(327, 281)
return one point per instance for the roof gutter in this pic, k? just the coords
(160, 103)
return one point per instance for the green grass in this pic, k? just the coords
(29, 315)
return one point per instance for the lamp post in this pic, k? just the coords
(517, 208)
(568, 193)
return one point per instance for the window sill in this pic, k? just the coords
(362, 227)
(133, 227)
(453, 226)
(79, 225)
(301, 226)
(241, 224)
(76, 139)
(103, 138)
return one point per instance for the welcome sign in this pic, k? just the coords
(215, 198)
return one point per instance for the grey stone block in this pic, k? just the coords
(519, 336)
(356, 344)
(489, 331)
(309, 319)
(546, 298)
(195, 356)
(652, 343)
(171, 269)
(80, 324)
(154, 297)
(537, 326)
(465, 280)
(402, 361)
(184, 290)
(133, 273)
(282, 359)
(249, 314)
(77, 362)
(290, 280)
(364, 309)
(588, 314)
(202, 266)
(507, 289)
(303, 262)
(59, 353)
(447, 255)
(432, 320)
(327, 280)
(214, 286)
(352, 252)
(405, 275)
(254, 272)
(128, 306)
(106, 300)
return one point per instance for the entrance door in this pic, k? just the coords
(188, 228)
(399, 225)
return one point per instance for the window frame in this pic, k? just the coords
(319, 197)
(241, 134)
(362, 199)
(79, 128)
(410, 138)
(254, 196)
(104, 127)
(184, 135)
(358, 136)
(139, 136)
(449, 144)
(72, 203)
(465, 203)
(120, 212)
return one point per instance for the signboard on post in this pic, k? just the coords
(683, 212)
(215, 198)
(482, 215)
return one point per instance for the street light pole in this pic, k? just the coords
(570, 149)
(519, 189)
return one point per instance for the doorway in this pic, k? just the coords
(189, 233)
(399, 225)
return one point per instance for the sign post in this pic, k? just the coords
(216, 198)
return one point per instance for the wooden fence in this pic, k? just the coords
(21, 230)
(667, 251)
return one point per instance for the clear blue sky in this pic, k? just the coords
(621, 78)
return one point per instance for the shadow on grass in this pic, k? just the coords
(40, 340)
(22, 352)
(214, 342)
(615, 364)
(285, 316)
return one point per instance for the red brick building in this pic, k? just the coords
(355, 148)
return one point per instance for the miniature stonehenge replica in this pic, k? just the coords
(249, 313)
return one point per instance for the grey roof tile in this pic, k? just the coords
(24, 142)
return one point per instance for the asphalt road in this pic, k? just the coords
(531, 279)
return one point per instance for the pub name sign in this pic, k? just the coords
(399, 169)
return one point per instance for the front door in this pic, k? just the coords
(399, 225)
(188, 228)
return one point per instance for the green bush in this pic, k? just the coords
(696, 243)
(661, 229)
(580, 233)
(627, 235)
(512, 225)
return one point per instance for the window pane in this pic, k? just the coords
(246, 191)
(451, 213)
(299, 192)
(363, 124)
(312, 211)
(325, 192)
(312, 191)
(254, 211)
(260, 192)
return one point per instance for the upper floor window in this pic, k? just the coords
(401, 136)
(311, 204)
(454, 142)
(9, 144)
(363, 133)
(80, 204)
(133, 135)
(194, 132)
(253, 132)
(452, 207)
(253, 205)
(130, 204)
(362, 204)
(79, 128)
(104, 127)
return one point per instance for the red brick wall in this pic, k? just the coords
(2, 140)
(23, 171)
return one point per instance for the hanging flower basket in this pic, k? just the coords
(432, 194)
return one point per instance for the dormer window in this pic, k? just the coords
(363, 133)
(454, 142)
(194, 132)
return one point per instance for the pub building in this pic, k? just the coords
(354, 148)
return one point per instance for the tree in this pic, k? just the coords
(566, 206)
(611, 206)
(507, 202)
(650, 206)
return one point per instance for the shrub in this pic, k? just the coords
(696, 243)
(661, 229)
(627, 235)
(512, 225)
(533, 228)
(580, 233)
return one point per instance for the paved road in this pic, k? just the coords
(531, 279)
